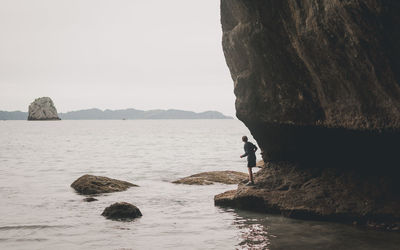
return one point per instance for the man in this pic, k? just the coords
(249, 151)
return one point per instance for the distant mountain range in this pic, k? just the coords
(128, 114)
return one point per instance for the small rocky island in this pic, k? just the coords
(42, 109)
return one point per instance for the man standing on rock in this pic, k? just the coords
(249, 151)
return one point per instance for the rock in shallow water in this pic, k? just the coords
(42, 109)
(90, 199)
(121, 211)
(90, 184)
(329, 194)
(225, 199)
(208, 178)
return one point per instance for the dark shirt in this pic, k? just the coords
(250, 151)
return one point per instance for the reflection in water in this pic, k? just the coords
(266, 231)
(254, 236)
(252, 233)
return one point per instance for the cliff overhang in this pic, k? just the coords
(318, 85)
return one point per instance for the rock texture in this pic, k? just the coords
(300, 67)
(90, 184)
(121, 211)
(42, 109)
(328, 194)
(337, 60)
(208, 178)
(317, 83)
(227, 199)
(260, 164)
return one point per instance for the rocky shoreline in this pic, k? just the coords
(320, 194)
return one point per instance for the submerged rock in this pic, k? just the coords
(121, 211)
(90, 184)
(42, 109)
(208, 178)
(90, 199)
(319, 194)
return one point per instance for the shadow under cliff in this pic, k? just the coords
(319, 173)
(371, 152)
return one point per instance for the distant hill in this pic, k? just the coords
(128, 114)
(13, 115)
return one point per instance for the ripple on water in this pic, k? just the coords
(30, 227)
(39, 210)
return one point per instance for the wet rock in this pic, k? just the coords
(90, 199)
(328, 194)
(90, 184)
(121, 211)
(225, 199)
(208, 178)
(42, 109)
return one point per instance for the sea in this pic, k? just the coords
(39, 209)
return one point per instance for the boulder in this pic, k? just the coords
(42, 109)
(208, 178)
(90, 184)
(121, 211)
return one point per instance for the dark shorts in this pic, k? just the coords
(251, 163)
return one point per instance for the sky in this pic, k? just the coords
(114, 54)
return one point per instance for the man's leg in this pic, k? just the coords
(251, 175)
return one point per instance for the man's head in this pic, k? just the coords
(244, 138)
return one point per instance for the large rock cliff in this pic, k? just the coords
(42, 109)
(317, 82)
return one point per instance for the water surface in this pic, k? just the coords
(39, 210)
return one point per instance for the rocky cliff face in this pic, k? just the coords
(317, 82)
(300, 65)
(42, 109)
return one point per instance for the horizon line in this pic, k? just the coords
(103, 110)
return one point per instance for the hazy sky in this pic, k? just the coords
(143, 54)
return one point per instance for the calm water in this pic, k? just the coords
(39, 210)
